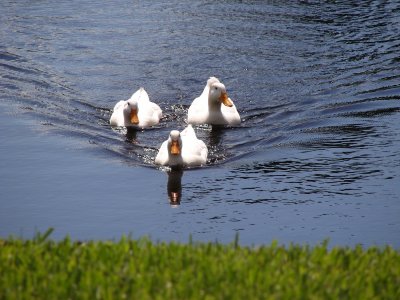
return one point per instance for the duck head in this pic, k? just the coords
(131, 111)
(175, 143)
(218, 94)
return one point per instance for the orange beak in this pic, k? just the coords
(225, 100)
(175, 149)
(134, 117)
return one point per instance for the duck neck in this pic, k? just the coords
(214, 105)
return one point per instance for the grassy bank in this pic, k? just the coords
(141, 269)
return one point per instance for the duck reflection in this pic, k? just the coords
(216, 147)
(215, 135)
(174, 187)
(131, 135)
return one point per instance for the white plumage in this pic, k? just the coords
(182, 149)
(213, 106)
(137, 111)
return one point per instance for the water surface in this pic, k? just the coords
(316, 156)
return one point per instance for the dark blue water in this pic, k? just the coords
(317, 85)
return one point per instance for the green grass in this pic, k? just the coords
(141, 269)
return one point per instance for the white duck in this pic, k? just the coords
(182, 149)
(137, 111)
(213, 106)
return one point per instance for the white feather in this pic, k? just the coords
(149, 113)
(193, 152)
(208, 109)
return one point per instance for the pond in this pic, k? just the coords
(317, 155)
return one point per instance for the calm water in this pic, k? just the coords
(317, 154)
